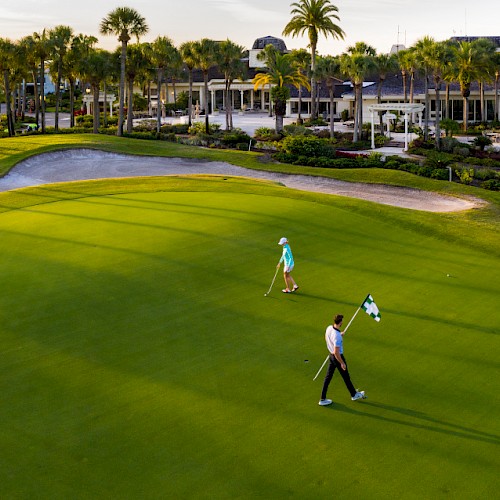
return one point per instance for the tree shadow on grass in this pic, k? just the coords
(422, 421)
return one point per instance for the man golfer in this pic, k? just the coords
(334, 338)
(287, 257)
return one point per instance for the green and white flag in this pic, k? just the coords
(371, 308)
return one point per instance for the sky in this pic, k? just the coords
(380, 23)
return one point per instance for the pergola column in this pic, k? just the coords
(406, 132)
(373, 129)
(241, 99)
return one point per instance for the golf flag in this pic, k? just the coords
(371, 308)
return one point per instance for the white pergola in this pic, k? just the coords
(405, 108)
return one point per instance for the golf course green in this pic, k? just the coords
(141, 359)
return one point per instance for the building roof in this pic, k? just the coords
(278, 43)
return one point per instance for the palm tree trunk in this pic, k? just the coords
(105, 107)
(158, 100)
(42, 92)
(356, 113)
(130, 106)
(71, 103)
(299, 115)
(190, 97)
(37, 97)
(95, 88)
(427, 108)
(8, 108)
(438, 115)
(58, 97)
(119, 131)
(447, 101)
(466, 113)
(496, 114)
(332, 106)
(207, 124)
(314, 112)
(481, 97)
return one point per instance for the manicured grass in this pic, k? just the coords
(140, 358)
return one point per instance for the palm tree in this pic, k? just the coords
(301, 59)
(137, 65)
(496, 67)
(423, 54)
(81, 45)
(162, 54)
(437, 58)
(280, 73)
(190, 60)
(486, 50)
(7, 58)
(31, 61)
(123, 22)
(94, 68)
(230, 64)
(356, 64)
(329, 69)
(467, 69)
(384, 63)
(268, 56)
(60, 38)
(313, 17)
(42, 50)
(205, 53)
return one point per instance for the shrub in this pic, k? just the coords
(234, 137)
(307, 146)
(293, 129)
(344, 115)
(198, 128)
(481, 141)
(266, 134)
(448, 144)
(465, 175)
(436, 159)
(491, 184)
(462, 151)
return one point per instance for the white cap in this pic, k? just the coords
(282, 241)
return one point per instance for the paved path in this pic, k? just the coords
(81, 164)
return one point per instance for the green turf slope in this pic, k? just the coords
(140, 358)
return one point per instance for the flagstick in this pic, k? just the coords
(348, 325)
(319, 371)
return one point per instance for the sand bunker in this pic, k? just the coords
(84, 164)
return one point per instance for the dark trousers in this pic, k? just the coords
(345, 375)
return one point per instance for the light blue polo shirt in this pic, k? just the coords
(287, 256)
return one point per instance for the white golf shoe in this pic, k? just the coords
(359, 395)
(325, 402)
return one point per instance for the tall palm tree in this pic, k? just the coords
(486, 50)
(205, 52)
(123, 22)
(42, 50)
(60, 39)
(302, 60)
(137, 65)
(190, 60)
(329, 69)
(229, 62)
(437, 58)
(356, 64)
(496, 69)
(385, 64)
(81, 45)
(31, 60)
(95, 68)
(268, 56)
(467, 61)
(162, 53)
(314, 17)
(280, 73)
(7, 58)
(423, 54)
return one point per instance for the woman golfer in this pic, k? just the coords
(333, 337)
(287, 257)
